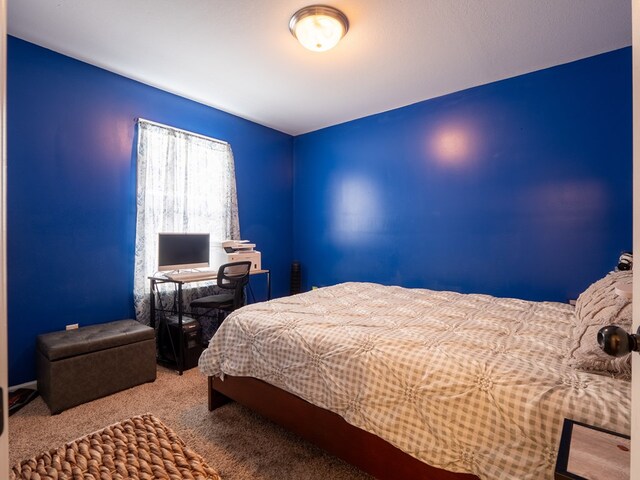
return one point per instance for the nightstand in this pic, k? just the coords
(592, 453)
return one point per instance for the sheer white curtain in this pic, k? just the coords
(186, 184)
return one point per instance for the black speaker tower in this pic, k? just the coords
(296, 278)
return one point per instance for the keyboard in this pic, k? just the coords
(192, 276)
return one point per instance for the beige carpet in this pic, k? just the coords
(233, 440)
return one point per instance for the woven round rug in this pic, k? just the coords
(139, 448)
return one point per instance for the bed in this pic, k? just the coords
(415, 383)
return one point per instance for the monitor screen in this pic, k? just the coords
(182, 250)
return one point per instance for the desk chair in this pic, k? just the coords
(231, 276)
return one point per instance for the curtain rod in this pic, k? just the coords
(162, 125)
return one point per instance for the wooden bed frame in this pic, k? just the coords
(325, 429)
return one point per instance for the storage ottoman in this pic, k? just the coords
(76, 366)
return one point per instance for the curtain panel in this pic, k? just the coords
(185, 184)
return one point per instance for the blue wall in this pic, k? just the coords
(71, 191)
(517, 188)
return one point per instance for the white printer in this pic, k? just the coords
(242, 251)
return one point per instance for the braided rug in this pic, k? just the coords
(139, 448)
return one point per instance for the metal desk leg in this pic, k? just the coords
(180, 332)
(268, 284)
(152, 305)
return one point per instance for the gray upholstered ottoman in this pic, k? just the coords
(76, 366)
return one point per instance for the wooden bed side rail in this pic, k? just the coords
(325, 429)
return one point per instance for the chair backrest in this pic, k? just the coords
(234, 276)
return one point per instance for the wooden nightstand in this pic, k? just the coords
(591, 453)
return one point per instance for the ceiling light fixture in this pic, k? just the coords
(319, 27)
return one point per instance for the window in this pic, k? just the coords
(186, 184)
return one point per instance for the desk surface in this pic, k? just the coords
(212, 276)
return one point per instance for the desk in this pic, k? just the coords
(153, 310)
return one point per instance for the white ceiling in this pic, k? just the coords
(238, 55)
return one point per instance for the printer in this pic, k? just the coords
(242, 251)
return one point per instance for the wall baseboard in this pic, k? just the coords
(33, 384)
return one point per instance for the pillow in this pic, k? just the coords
(598, 306)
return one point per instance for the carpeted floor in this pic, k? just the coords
(236, 442)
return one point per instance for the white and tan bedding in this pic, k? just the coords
(466, 383)
(598, 306)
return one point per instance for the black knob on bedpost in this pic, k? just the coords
(615, 341)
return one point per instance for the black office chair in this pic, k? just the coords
(231, 276)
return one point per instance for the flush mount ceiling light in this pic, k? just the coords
(319, 27)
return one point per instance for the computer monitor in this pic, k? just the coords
(177, 251)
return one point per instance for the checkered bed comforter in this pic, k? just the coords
(467, 383)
